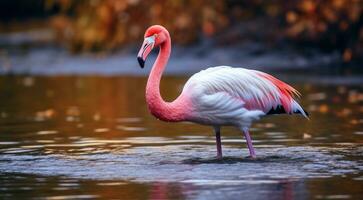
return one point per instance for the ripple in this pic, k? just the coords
(285, 140)
(16, 150)
(45, 141)
(47, 132)
(101, 130)
(8, 143)
(188, 163)
(274, 133)
(111, 183)
(75, 145)
(130, 128)
(31, 146)
(229, 182)
(340, 196)
(129, 119)
(72, 197)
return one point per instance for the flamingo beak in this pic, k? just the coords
(145, 49)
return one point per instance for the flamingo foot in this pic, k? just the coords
(252, 157)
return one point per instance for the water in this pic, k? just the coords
(65, 137)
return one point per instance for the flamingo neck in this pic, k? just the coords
(166, 111)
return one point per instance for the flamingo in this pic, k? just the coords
(217, 96)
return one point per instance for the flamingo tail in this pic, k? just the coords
(296, 109)
(287, 93)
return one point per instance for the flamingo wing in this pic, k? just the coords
(232, 92)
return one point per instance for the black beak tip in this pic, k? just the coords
(141, 62)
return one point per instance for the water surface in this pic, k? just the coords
(92, 137)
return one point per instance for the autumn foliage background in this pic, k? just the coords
(107, 25)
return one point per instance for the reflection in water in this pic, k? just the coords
(90, 137)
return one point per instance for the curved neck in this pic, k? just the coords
(159, 66)
(166, 111)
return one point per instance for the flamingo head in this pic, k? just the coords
(154, 36)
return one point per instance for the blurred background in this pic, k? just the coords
(74, 123)
(254, 33)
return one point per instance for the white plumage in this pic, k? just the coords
(234, 96)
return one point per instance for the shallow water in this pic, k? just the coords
(92, 137)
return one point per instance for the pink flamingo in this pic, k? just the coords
(218, 96)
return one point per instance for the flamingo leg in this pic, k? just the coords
(217, 131)
(249, 143)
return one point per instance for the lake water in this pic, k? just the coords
(69, 137)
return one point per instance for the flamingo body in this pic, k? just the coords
(236, 96)
(218, 96)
